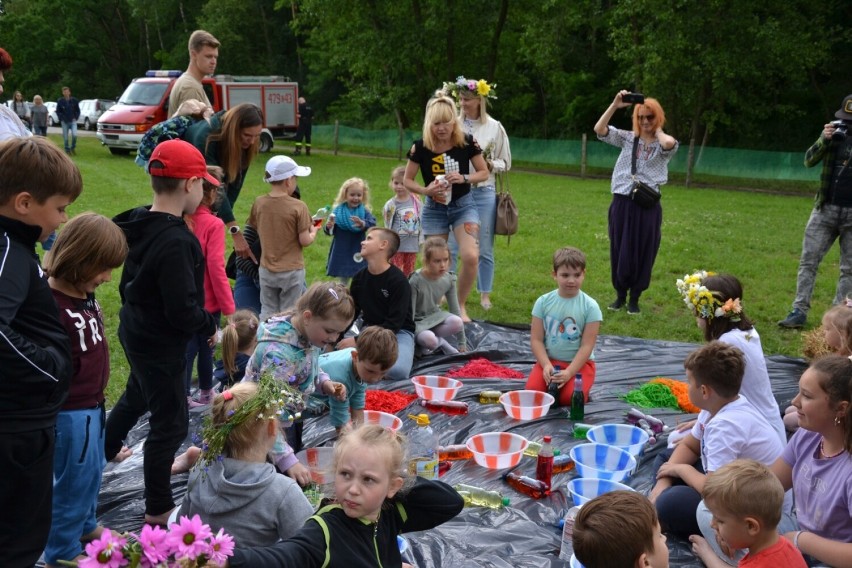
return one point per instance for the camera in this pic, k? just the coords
(633, 98)
(840, 130)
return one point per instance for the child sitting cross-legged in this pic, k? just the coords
(375, 352)
(746, 500)
(623, 517)
(233, 486)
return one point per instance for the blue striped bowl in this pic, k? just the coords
(624, 436)
(602, 461)
(583, 489)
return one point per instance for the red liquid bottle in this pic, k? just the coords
(527, 485)
(544, 463)
(443, 467)
(455, 452)
(445, 406)
(562, 464)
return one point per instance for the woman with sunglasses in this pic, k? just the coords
(634, 231)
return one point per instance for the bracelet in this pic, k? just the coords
(796, 540)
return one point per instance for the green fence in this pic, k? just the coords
(725, 162)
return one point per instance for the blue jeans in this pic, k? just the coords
(77, 466)
(72, 126)
(401, 370)
(438, 219)
(246, 293)
(825, 226)
(486, 204)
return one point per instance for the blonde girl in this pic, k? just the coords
(86, 251)
(218, 297)
(837, 331)
(372, 488)
(289, 346)
(449, 161)
(428, 285)
(239, 338)
(402, 214)
(348, 223)
(237, 489)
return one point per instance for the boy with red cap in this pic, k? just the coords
(162, 296)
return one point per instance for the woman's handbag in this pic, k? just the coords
(641, 193)
(507, 210)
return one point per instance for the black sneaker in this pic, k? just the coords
(616, 305)
(633, 308)
(794, 320)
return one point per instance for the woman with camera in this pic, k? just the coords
(635, 215)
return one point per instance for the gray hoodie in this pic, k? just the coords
(251, 501)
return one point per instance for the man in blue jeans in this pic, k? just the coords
(831, 217)
(68, 110)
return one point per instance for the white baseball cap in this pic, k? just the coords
(279, 168)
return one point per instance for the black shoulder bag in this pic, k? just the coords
(641, 193)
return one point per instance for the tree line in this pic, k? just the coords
(732, 74)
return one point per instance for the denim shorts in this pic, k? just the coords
(438, 219)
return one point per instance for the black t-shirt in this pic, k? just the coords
(841, 177)
(383, 299)
(432, 164)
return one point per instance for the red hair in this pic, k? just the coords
(654, 107)
(5, 60)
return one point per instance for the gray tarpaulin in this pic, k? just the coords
(524, 534)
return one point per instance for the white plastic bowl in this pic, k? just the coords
(318, 462)
(583, 489)
(497, 450)
(382, 419)
(624, 436)
(602, 461)
(526, 404)
(436, 387)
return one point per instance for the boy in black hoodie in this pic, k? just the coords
(162, 296)
(37, 183)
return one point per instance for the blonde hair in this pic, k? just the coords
(653, 106)
(347, 185)
(201, 38)
(244, 435)
(394, 445)
(238, 335)
(87, 245)
(483, 105)
(441, 109)
(327, 300)
(745, 488)
(840, 318)
(431, 244)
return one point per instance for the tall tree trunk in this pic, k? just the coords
(495, 39)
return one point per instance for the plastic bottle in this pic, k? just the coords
(553, 388)
(562, 464)
(477, 497)
(445, 406)
(580, 430)
(423, 448)
(534, 447)
(444, 467)
(657, 425)
(527, 485)
(544, 463)
(320, 215)
(456, 452)
(567, 548)
(578, 402)
(489, 397)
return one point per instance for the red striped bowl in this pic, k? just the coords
(497, 450)
(526, 404)
(436, 387)
(318, 462)
(382, 419)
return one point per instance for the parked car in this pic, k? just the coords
(91, 110)
(52, 117)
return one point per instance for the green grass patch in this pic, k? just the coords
(754, 235)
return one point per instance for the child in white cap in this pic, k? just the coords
(284, 227)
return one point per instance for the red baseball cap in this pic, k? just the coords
(180, 160)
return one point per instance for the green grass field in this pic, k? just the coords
(753, 235)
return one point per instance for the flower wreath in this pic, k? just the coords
(480, 88)
(274, 399)
(703, 302)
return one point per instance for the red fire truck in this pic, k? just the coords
(145, 102)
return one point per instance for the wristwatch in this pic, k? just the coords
(464, 176)
(234, 229)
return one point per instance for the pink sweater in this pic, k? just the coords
(210, 231)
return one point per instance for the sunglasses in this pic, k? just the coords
(648, 117)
